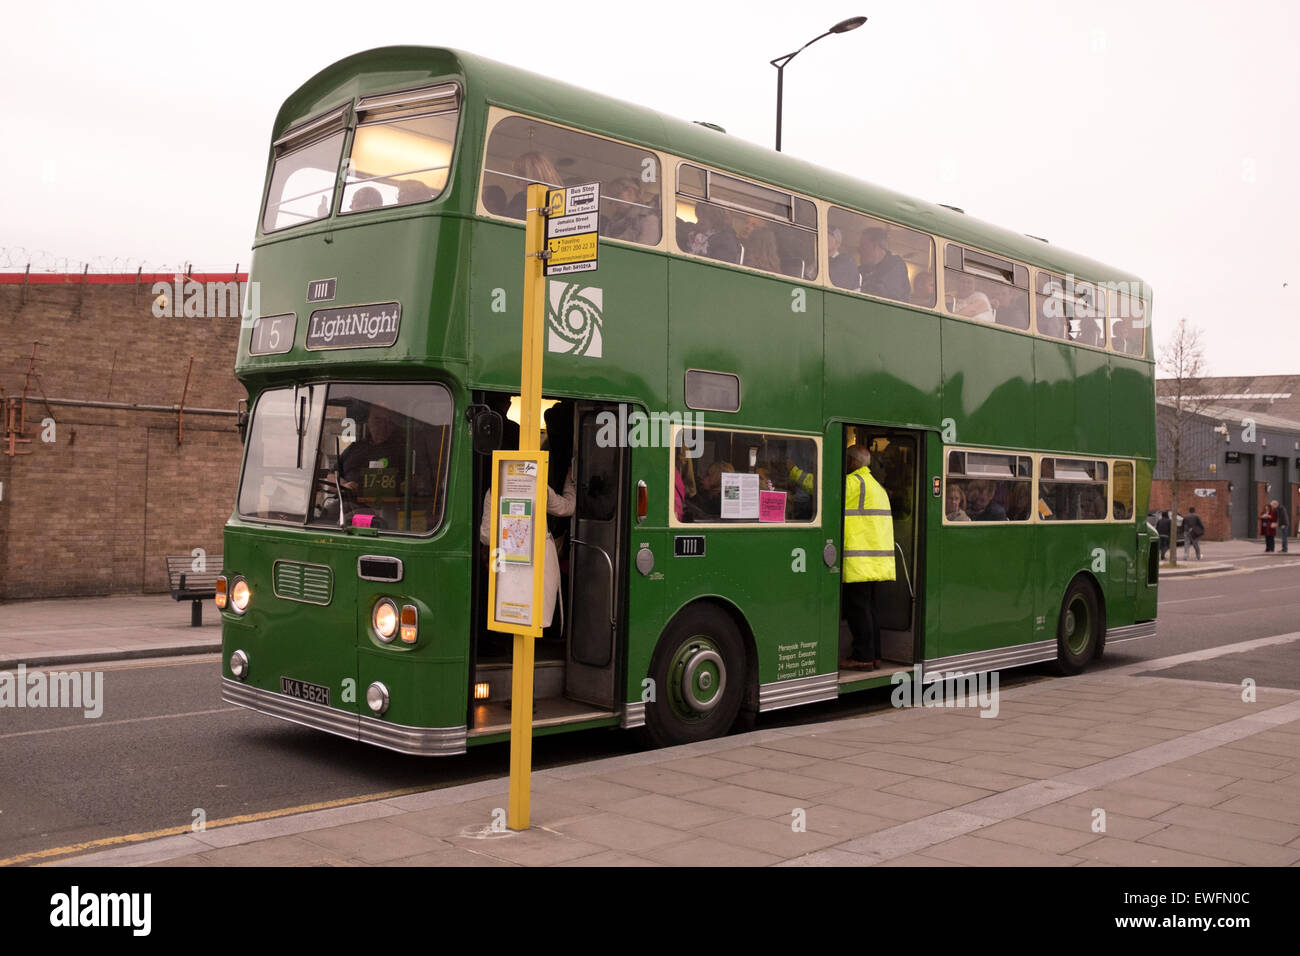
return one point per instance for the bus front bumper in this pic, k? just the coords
(420, 741)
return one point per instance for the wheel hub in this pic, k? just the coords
(702, 678)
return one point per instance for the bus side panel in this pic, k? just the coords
(767, 331)
(776, 589)
(987, 584)
(930, 586)
(606, 331)
(882, 363)
(1073, 397)
(646, 593)
(1132, 410)
(1100, 551)
(987, 380)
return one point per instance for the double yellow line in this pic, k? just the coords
(45, 857)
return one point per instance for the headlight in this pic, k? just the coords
(377, 698)
(239, 664)
(240, 595)
(220, 596)
(384, 620)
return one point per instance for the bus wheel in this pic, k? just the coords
(699, 678)
(1078, 635)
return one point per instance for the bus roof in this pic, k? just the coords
(498, 84)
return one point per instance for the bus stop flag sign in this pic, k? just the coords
(571, 227)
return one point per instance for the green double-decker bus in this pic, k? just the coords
(751, 318)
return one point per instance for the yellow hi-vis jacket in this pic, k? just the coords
(868, 530)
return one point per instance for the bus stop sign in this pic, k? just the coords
(572, 223)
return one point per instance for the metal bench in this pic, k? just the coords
(189, 585)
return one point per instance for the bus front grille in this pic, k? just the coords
(308, 583)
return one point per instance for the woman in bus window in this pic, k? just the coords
(956, 508)
(531, 168)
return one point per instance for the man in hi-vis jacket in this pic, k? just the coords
(868, 557)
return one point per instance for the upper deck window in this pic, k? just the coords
(1071, 309)
(304, 172)
(878, 258)
(522, 151)
(732, 220)
(402, 149)
(1128, 323)
(980, 286)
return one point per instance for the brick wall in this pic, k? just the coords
(1213, 511)
(95, 511)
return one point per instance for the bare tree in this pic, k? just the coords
(1181, 362)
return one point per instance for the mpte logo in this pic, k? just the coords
(575, 319)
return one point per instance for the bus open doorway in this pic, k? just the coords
(896, 463)
(576, 658)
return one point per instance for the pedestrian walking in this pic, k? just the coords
(1162, 529)
(1192, 531)
(1283, 522)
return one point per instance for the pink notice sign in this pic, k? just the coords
(771, 506)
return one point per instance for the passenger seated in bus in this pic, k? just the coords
(627, 216)
(1089, 332)
(1010, 308)
(529, 168)
(494, 200)
(843, 270)
(968, 301)
(684, 486)
(1092, 504)
(1018, 502)
(980, 503)
(923, 289)
(761, 252)
(712, 235)
(1125, 338)
(1051, 324)
(956, 502)
(367, 197)
(883, 273)
(798, 249)
(412, 190)
(706, 505)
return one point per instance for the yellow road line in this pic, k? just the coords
(46, 855)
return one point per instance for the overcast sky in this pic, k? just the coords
(1156, 136)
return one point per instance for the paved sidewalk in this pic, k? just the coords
(1119, 767)
(1219, 556)
(102, 628)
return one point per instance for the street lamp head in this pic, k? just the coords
(852, 23)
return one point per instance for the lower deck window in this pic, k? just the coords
(735, 477)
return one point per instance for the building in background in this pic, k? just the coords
(1240, 450)
(125, 474)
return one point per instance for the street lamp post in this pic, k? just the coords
(844, 26)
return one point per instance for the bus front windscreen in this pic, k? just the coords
(350, 455)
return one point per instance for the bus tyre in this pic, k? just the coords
(1078, 634)
(699, 672)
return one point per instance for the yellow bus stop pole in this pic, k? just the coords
(530, 439)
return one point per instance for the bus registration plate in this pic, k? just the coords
(312, 693)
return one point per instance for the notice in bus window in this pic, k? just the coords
(771, 506)
(739, 496)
